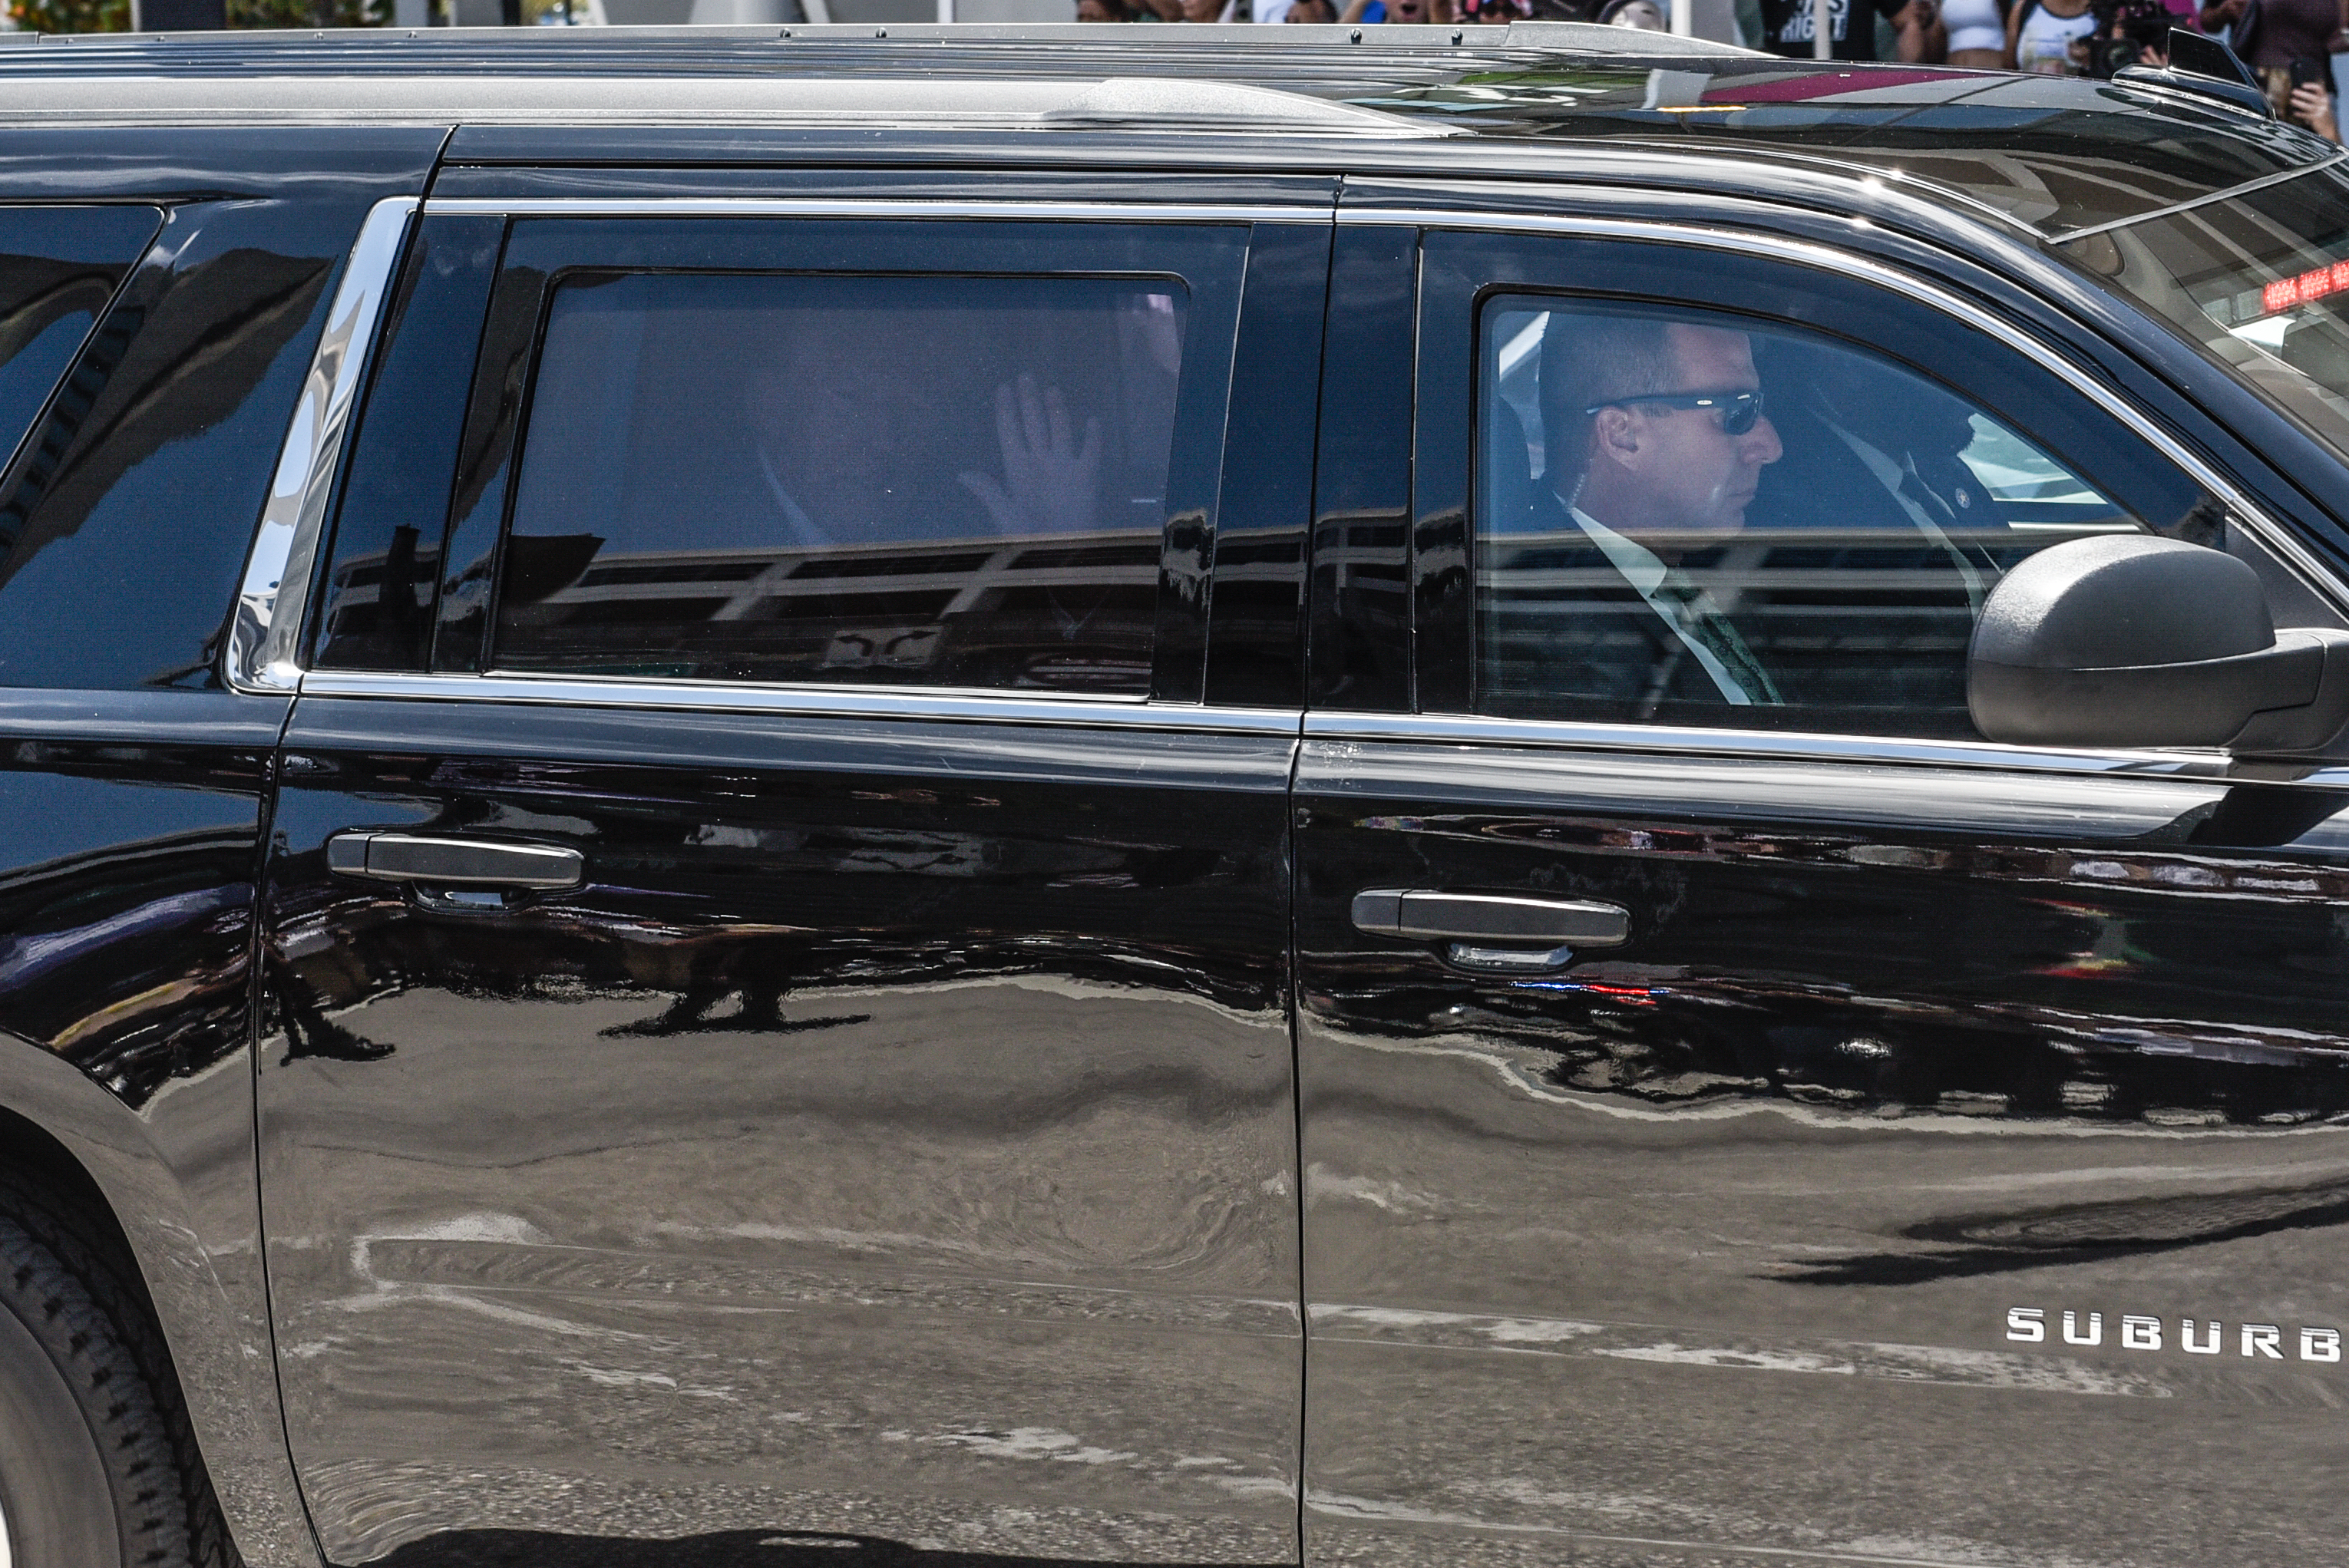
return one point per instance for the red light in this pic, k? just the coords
(2306, 289)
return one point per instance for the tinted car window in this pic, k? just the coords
(376, 593)
(923, 480)
(2260, 280)
(58, 266)
(1685, 517)
(127, 516)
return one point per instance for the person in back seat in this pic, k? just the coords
(1871, 450)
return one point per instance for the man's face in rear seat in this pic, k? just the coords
(842, 410)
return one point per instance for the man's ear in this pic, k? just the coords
(1614, 433)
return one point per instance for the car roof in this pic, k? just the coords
(2051, 156)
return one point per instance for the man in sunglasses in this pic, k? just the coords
(1656, 441)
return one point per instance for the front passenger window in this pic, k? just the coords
(1688, 517)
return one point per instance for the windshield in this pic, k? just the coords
(2259, 278)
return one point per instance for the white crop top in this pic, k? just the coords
(2044, 44)
(1974, 25)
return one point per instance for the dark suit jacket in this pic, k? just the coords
(1589, 647)
(1822, 484)
(1869, 632)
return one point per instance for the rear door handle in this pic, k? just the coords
(1419, 914)
(453, 862)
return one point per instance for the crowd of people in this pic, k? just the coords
(2289, 44)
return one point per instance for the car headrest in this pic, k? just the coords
(1507, 473)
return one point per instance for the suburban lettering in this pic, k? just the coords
(2142, 1331)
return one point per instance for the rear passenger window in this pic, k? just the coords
(1688, 517)
(924, 481)
(376, 596)
(58, 266)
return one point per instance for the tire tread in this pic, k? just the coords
(66, 1278)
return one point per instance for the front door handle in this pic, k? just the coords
(452, 862)
(1419, 914)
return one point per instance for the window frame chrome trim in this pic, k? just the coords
(965, 705)
(2314, 575)
(977, 706)
(933, 704)
(265, 641)
(263, 645)
(875, 206)
(1755, 745)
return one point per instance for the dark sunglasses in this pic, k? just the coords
(1739, 410)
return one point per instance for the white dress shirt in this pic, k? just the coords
(1645, 572)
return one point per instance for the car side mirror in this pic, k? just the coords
(2127, 640)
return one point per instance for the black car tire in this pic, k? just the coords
(95, 1464)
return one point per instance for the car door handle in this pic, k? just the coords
(453, 862)
(1420, 914)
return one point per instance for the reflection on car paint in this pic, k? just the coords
(129, 958)
(1888, 1052)
(900, 1152)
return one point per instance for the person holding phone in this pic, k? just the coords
(2311, 104)
(2312, 97)
(2288, 44)
(2136, 32)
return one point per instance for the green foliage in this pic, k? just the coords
(114, 16)
(309, 12)
(71, 15)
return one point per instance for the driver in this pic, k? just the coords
(1657, 440)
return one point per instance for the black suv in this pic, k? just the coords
(1401, 796)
